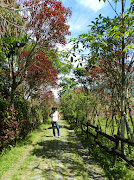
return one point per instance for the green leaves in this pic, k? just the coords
(128, 47)
(103, 0)
(127, 33)
(71, 59)
(80, 64)
(12, 44)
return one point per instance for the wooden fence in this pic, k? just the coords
(117, 139)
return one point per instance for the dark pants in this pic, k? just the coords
(57, 126)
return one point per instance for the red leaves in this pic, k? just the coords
(24, 54)
(49, 19)
(96, 73)
(10, 124)
(41, 71)
(7, 1)
(96, 69)
(47, 95)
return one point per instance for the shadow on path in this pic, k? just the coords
(66, 159)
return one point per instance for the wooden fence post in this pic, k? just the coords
(116, 147)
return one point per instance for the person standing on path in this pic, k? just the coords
(55, 120)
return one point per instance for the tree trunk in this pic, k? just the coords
(123, 83)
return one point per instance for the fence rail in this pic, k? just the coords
(117, 139)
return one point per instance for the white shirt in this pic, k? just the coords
(55, 116)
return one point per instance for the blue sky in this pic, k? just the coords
(85, 11)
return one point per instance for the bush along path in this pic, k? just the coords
(53, 158)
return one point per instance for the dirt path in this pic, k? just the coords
(53, 158)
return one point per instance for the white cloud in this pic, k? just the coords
(95, 5)
(68, 46)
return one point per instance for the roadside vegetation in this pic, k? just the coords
(12, 155)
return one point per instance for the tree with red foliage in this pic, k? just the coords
(25, 56)
(46, 20)
(40, 73)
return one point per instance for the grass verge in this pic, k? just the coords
(118, 171)
(11, 155)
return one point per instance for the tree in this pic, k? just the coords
(47, 21)
(44, 24)
(67, 84)
(110, 44)
(11, 21)
(76, 105)
(40, 73)
(125, 36)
